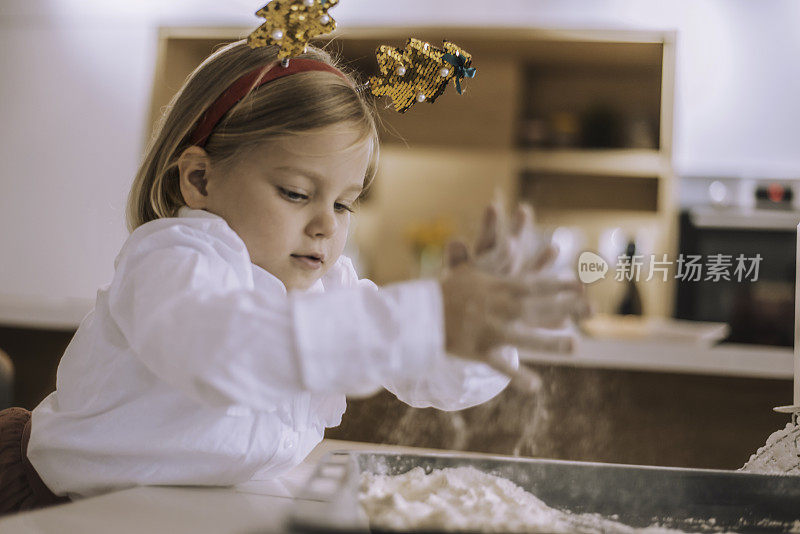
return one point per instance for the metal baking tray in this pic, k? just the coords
(691, 500)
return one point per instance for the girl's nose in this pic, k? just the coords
(322, 224)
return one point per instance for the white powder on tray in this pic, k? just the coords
(780, 455)
(465, 498)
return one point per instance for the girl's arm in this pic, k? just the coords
(447, 382)
(185, 311)
(453, 383)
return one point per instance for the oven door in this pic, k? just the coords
(759, 310)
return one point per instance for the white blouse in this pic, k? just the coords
(195, 366)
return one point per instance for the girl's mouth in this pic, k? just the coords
(307, 262)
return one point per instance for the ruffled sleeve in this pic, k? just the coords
(445, 382)
(183, 302)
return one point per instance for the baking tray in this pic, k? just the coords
(691, 500)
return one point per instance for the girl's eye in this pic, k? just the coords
(342, 207)
(292, 195)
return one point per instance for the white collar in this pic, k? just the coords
(269, 278)
(186, 211)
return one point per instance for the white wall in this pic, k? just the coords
(76, 80)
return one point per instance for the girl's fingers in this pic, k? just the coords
(537, 311)
(507, 252)
(539, 339)
(505, 307)
(521, 242)
(533, 339)
(523, 219)
(498, 260)
(550, 286)
(508, 259)
(554, 310)
(538, 285)
(546, 341)
(542, 260)
(553, 302)
(522, 378)
(487, 238)
(504, 310)
(456, 253)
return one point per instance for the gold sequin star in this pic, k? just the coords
(419, 72)
(292, 24)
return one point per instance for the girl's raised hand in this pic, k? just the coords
(517, 253)
(514, 250)
(485, 311)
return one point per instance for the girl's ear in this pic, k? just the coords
(193, 165)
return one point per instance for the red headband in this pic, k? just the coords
(247, 83)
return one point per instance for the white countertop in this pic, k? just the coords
(727, 359)
(30, 311)
(249, 508)
(652, 355)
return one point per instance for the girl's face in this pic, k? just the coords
(290, 201)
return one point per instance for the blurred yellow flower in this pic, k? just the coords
(427, 239)
(431, 233)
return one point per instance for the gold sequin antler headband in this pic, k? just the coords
(419, 72)
(291, 24)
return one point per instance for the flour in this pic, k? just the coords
(464, 498)
(780, 455)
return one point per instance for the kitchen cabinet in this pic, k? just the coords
(577, 122)
(595, 414)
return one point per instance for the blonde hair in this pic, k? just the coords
(292, 105)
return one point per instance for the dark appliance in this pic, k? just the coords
(747, 218)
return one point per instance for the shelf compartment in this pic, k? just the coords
(612, 105)
(549, 192)
(608, 162)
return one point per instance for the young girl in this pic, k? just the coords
(233, 327)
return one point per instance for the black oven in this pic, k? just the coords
(759, 310)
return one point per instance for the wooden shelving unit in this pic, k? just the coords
(448, 160)
(630, 163)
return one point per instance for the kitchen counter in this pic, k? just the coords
(754, 361)
(257, 506)
(46, 313)
(634, 402)
(652, 354)
(727, 359)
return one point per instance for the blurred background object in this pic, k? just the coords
(428, 239)
(6, 381)
(757, 219)
(631, 301)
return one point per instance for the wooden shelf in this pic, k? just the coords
(635, 163)
(447, 160)
(549, 192)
